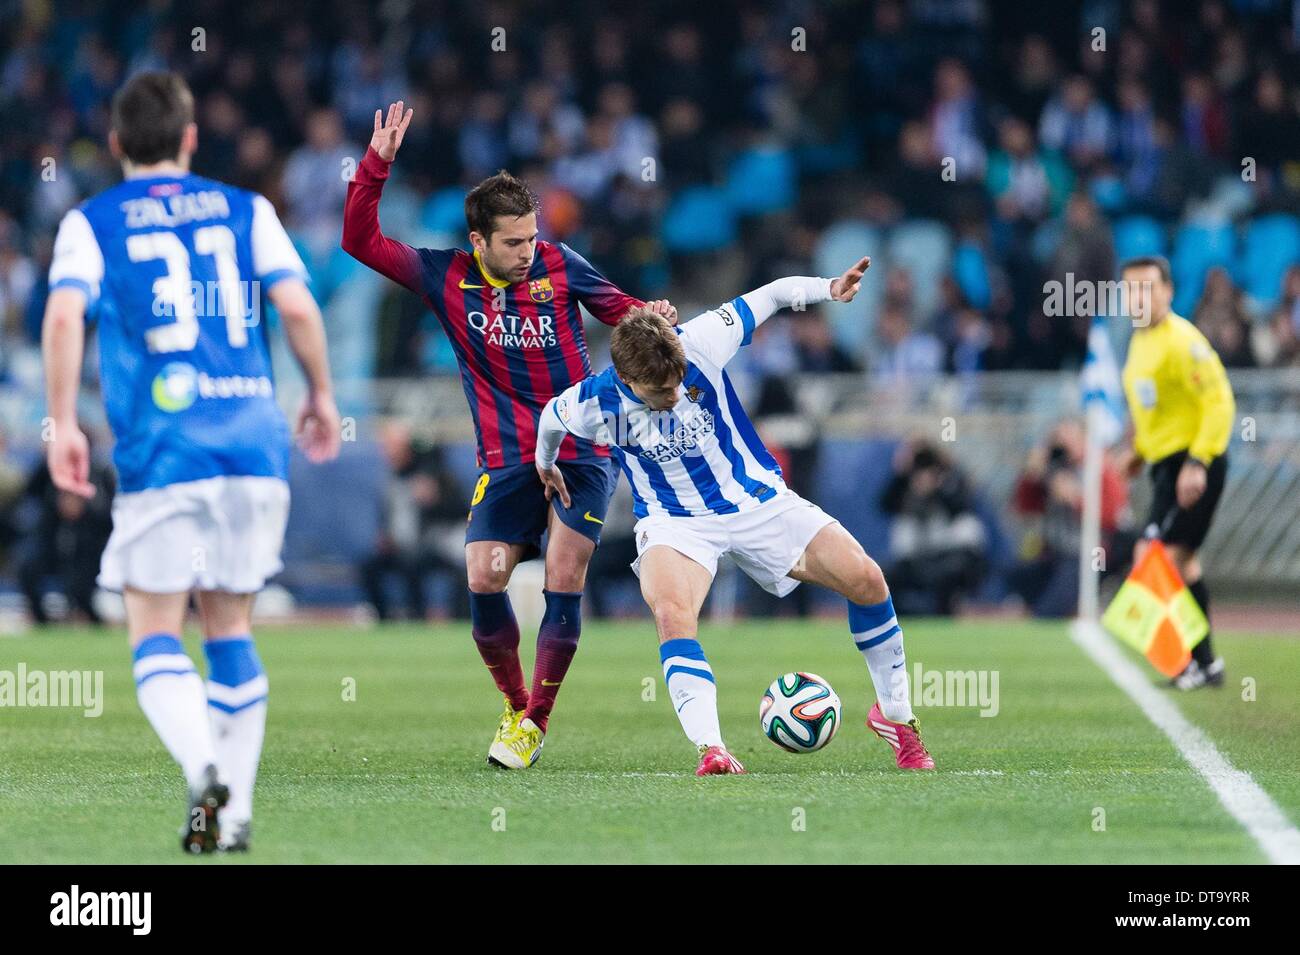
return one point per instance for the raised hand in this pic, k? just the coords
(389, 132)
(844, 288)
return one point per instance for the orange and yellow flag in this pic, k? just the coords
(1155, 613)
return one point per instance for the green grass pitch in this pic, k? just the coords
(398, 774)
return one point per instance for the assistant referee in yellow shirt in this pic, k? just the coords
(1182, 409)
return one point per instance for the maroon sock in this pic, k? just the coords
(557, 642)
(496, 634)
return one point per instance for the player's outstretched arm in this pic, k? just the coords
(63, 337)
(721, 332)
(362, 237)
(317, 427)
(798, 291)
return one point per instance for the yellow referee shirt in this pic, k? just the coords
(1178, 393)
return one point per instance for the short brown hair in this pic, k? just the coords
(646, 349)
(499, 195)
(150, 114)
(1158, 262)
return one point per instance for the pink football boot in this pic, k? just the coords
(904, 737)
(716, 761)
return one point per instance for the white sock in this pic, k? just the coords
(692, 691)
(170, 692)
(237, 706)
(877, 634)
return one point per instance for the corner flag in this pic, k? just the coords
(1155, 613)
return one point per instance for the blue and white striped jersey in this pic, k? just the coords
(703, 456)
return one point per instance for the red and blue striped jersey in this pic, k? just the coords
(517, 345)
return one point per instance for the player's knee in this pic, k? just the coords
(869, 583)
(672, 615)
(566, 573)
(484, 579)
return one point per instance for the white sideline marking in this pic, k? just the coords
(1255, 809)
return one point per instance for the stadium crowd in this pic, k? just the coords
(978, 149)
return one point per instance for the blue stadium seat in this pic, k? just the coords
(1270, 246)
(1199, 247)
(352, 343)
(699, 219)
(444, 211)
(971, 270)
(1138, 235)
(924, 249)
(1109, 193)
(839, 247)
(761, 181)
(817, 159)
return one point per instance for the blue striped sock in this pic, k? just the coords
(877, 634)
(170, 692)
(691, 688)
(237, 690)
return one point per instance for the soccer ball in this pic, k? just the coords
(799, 712)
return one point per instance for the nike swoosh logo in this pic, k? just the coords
(463, 285)
(896, 666)
(549, 683)
(595, 520)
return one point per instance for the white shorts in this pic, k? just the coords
(765, 542)
(220, 533)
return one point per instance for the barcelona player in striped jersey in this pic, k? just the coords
(510, 309)
(704, 486)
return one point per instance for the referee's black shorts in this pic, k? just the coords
(1186, 527)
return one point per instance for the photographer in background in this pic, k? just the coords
(423, 508)
(61, 537)
(937, 542)
(1049, 494)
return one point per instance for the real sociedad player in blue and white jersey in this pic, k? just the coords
(188, 398)
(700, 456)
(704, 486)
(172, 267)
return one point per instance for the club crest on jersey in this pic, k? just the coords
(695, 393)
(540, 290)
